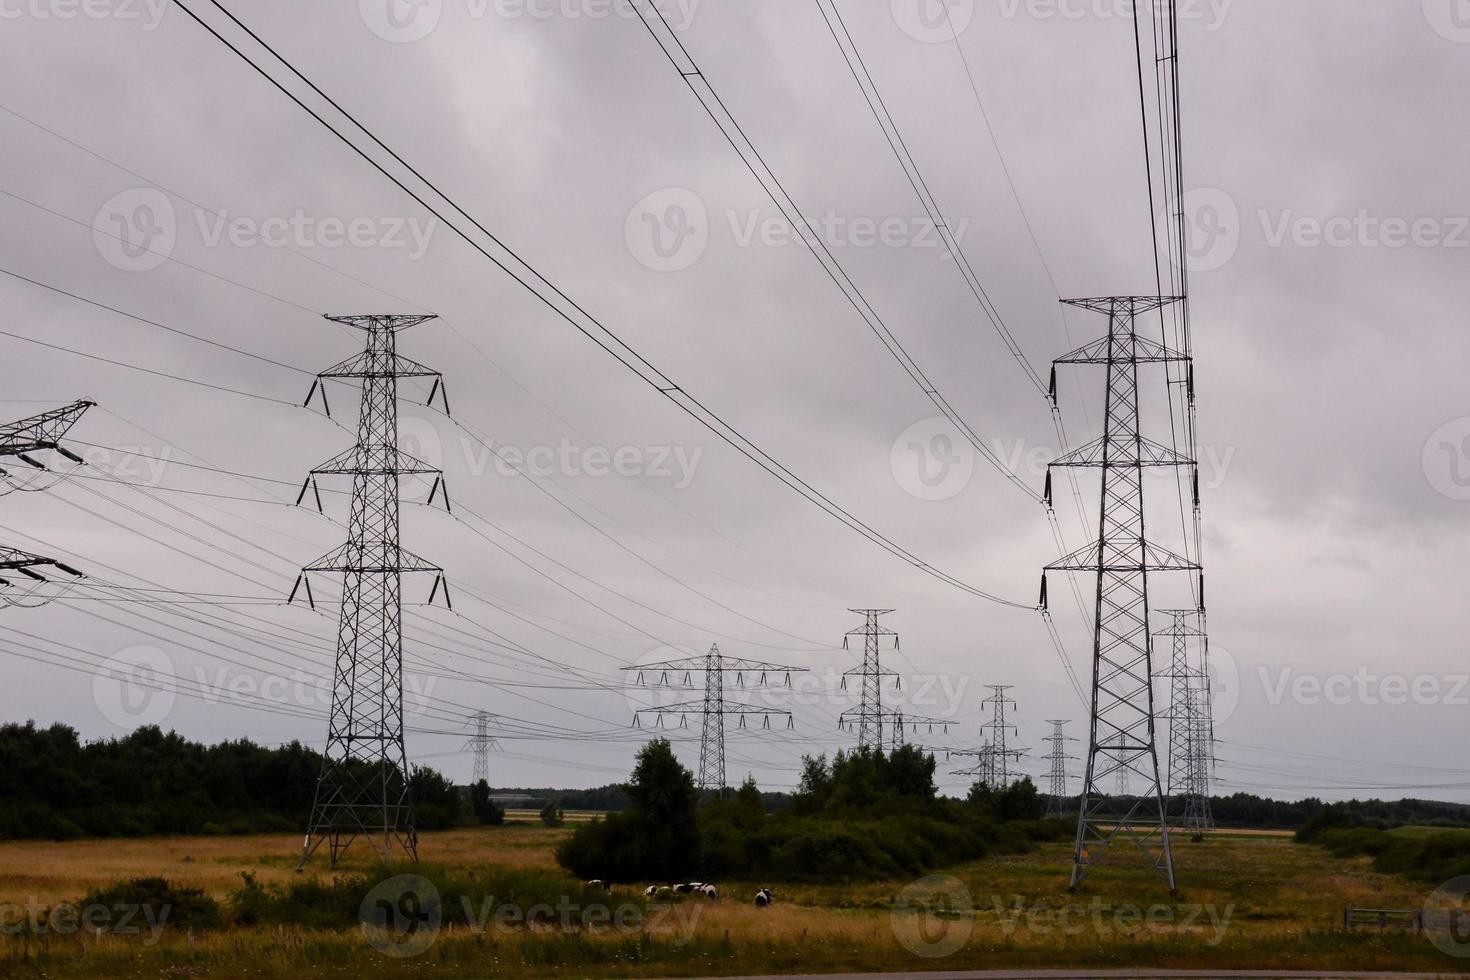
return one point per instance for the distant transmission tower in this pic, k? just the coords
(1189, 725)
(998, 729)
(1056, 807)
(713, 709)
(869, 716)
(983, 772)
(25, 440)
(994, 769)
(1122, 731)
(869, 719)
(482, 743)
(363, 790)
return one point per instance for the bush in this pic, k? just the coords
(154, 900)
(865, 816)
(337, 903)
(1423, 857)
(486, 810)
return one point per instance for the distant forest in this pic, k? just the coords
(150, 782)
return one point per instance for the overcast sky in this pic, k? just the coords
(1325, 152)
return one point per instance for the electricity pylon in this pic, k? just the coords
(363, 790)
(713, 709)
(482, 743)
(998, 728)
(1122, 730)
(994, 754)
(900, 724)
(1189, 726)
(25, 440)
(982, 772)
(869, 715)
(1056, 806)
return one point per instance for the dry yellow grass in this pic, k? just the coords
(57, 872)
(1246, 901)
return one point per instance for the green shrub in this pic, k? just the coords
(337, 902)
(188, 908)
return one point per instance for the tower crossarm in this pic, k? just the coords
(1109, 557)
(1126, 452)
(688, 666)
(852, 715)
(374, 461)
(26, 564)
(42, 432)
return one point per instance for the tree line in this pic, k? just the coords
(151, 782)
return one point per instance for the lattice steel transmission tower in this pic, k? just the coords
(997, 730)
(1122, 731)
(714, 707)
(869, 716)
(1190, 727)
(1056, 806)
(25, 440)
(482, 743)
(363, 790)
(982, 772)
(995, 755)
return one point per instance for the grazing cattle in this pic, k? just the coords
(687, 889)
(710, 892)
(650, 891)
(764, 898)
(599, 884)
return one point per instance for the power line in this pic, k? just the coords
(577, 316)
(731, 129)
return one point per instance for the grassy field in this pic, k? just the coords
(1247, 901)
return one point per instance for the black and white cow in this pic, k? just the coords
(764, 898)
(710, 892)
(599, 884)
